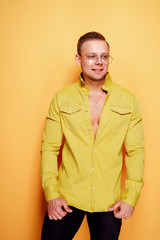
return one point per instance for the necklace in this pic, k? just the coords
(96, 105)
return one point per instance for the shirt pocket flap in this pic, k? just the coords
(70, 109)
(120, 110)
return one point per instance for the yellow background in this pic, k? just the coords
(38, 43)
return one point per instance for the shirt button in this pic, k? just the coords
(93, 148)
(89, 130)
(99, 130)
(86, 110)
(92, 168)
(86, 94)
(92, 187)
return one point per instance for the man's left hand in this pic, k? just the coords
(122, 210)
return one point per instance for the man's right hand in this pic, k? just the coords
(55, 210)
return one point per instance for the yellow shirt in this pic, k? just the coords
(89, 176)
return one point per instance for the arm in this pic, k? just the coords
(134, 161)
(51, 143)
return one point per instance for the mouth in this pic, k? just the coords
(97, 70)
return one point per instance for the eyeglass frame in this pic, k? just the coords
(97, 58)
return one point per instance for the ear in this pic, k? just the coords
(78, 59)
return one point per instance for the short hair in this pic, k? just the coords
(87, 37)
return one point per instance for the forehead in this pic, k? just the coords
(95, 46)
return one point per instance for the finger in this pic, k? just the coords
(57, 216)
(66, 207)
(61, 212)
(52, 217)
(118, 214)
(115, 206)
(50, 210)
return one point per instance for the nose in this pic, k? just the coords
(99, 60)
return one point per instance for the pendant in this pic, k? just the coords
(96, 105)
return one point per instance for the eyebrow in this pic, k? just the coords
(96, 53)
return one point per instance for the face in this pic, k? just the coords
(98, 70)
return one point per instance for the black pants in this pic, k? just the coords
(102, 225)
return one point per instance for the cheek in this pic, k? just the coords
(106, 67)
(86, 68)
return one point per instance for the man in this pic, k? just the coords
(96, 116)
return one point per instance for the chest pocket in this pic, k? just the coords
(71, 116)
(120, 110)
(70, 109)
(119, 118)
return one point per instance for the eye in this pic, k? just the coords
(91, 56)
(105, 56)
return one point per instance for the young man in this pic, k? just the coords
(96, 116)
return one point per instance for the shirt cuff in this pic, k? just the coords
(50, 194)
(132, 192)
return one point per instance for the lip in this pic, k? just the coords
(98, 70)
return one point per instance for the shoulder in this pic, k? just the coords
(122, 97)
(122, 91)
(71, 88)
(67, 95)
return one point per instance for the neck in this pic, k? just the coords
(94, 85)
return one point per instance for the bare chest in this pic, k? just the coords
(96, 105)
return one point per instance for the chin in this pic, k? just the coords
(97, 79)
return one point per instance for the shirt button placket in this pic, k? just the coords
(93, 172)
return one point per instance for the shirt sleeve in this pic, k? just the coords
(51, 143)
(134, 159)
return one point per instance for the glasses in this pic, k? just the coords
(91, 59)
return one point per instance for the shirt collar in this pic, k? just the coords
(107, 86)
